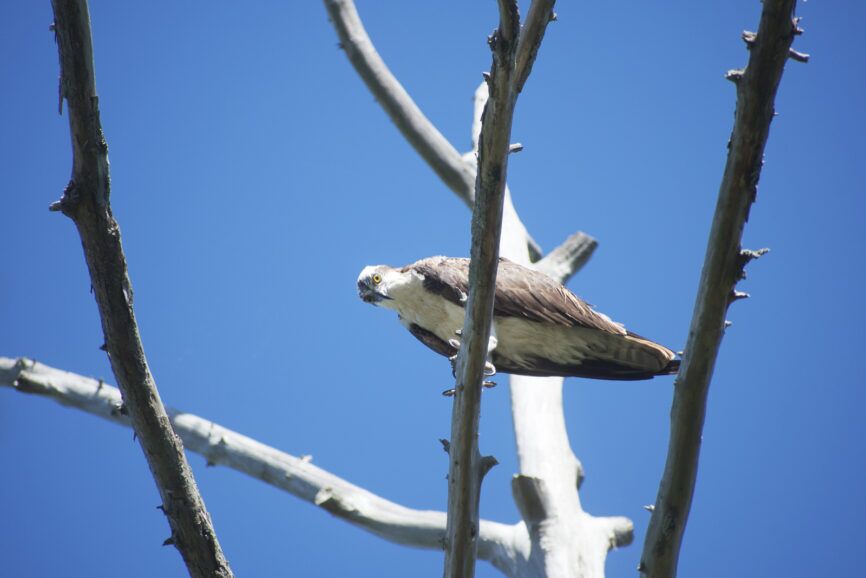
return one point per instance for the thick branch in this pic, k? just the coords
(756, 91)
(297, 476)
(570, 257)
(86, 202)
(465, 472)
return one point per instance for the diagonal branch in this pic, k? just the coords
(418, 130)
(466, 466)
(539, 15)
(297, 476)
(723, 267)
(86, 202)
(458, 174)
(563, 261)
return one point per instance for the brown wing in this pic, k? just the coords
(520, 292)
(524, 292)
(444, 276)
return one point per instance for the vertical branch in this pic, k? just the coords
(86, 202)
(465, 463)
(723, 267)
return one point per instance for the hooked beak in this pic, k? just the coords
(368, 294)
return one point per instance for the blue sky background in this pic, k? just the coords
(254, 176)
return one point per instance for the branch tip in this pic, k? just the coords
(735, 75)
(737, 295)
(487, 464)
(798, 56)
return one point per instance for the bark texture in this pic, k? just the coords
(723, 268)
(466, 467)
(86, 202)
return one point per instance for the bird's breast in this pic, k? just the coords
(441, 317)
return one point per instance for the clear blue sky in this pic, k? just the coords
(254, 176)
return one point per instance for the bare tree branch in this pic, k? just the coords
(571, 543)
(425, 138)
(568, 258)
(465, 471)
(86, 202)
(540, 14)
(418, 130)
(295, 475)
(723, 267)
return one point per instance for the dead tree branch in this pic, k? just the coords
(425, 138)
(497, 543)
(570, 542)
(86, 202)
(466, 468)
(723, 267)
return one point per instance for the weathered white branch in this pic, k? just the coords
(723, 267)
(425, 138)
(497, 543)
(570, 256)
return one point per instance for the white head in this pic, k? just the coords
(381, 284)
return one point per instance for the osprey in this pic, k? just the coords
(541, 328)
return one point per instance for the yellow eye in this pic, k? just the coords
(377, 279)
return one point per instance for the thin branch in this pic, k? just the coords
(295, 475)
(723, 267)
(465, 471)
(539, 15)
(418, 130)
(86, 202)
(458, 174)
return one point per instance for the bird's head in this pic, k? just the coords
(376, 282)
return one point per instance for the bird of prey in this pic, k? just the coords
(541, 328)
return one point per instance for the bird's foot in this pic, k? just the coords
(491, 344)
(489, 369)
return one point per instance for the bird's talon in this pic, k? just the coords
(458, 332)
(488, 384)
(492, 343)
(455, 343)
(489, 369)
(449, 392)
